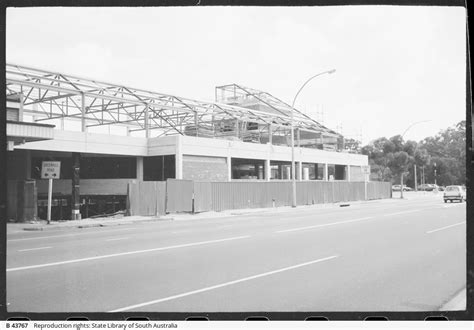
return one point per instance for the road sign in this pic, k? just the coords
(50, 170)
(366, 169)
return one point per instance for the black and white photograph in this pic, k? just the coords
(236, 159)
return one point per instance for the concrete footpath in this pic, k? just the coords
(42, 225)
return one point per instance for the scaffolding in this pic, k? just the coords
(238, 113)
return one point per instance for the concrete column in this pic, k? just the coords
(268, 172)
(140, 168)
(179, 157)
(76, 191)
(348, 178)
(326, 176)
(300, 171)
(229, 168)
(27, 164)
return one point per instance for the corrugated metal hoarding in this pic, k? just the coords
(201, 196)
(218, 196)
(147, 198)
(179, 195)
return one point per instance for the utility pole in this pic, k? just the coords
(416, 183)
(401, 185)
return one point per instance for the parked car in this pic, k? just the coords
(396, 187)
(427, 187)
(452, 193)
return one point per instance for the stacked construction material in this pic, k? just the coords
(200, 131)
(251, 136)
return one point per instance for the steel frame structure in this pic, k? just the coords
(56, 95)
(275, 106)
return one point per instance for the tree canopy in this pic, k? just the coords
(444, 154)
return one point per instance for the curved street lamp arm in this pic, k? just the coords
(418, 122)
(307, 81)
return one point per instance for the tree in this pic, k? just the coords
(389, 158)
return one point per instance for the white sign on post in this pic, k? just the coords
(50, 171)
(366, 169)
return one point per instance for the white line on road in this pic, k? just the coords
(34, 249)
(116, 239)
(446, 227)
(124, 254)
(402, 212)
(220, 285)
(69, 235)
(324, 225)
(453, 205)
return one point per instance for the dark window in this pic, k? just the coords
(108, 168)
(159, 168)
(331, 172)
(91, 167)
(248, 168)
(281, 170)
(340, 172)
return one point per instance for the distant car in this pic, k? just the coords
(441, 188)
(428, 187)
(452, 193)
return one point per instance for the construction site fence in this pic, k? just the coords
(158, 198)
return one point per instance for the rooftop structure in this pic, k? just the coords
(238, 113)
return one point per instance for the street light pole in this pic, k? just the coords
(401, 176)
(293, 169)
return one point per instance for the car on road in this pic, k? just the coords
(452, 193)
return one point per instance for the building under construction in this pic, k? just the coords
(106, 134)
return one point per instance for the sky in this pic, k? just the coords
(395, 65)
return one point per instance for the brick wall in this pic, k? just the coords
(204, 168)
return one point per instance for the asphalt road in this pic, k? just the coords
(392, 255)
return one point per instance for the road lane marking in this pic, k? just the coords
(69, 235)
(221, 285)
(124, 254)
(116, 239)
(402, 212)
(453, 205)
(324, 225)
(34, 249)
(446, 227)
